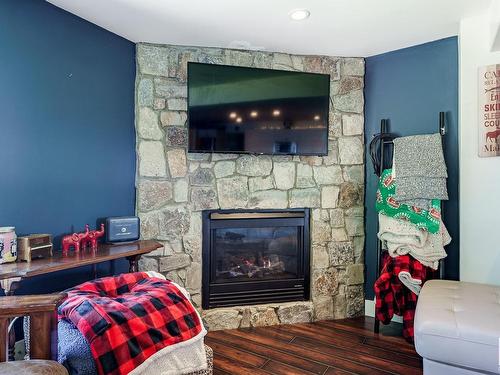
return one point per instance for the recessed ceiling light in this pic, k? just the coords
(316, 118)
(299, 14)
(232, 115)
(254, 114)
(238, 120)
(276, 112)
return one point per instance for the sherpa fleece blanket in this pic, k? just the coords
(132, 320)
(401, 237)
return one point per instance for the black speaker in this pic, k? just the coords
(122, 229)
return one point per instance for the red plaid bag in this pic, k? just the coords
(128, 318)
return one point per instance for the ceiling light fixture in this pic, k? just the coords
(299, 14)
(316, 118)
(232, 115)
(254, 114)
(276, 112)
(238, 120)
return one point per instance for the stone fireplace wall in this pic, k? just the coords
(173, 186)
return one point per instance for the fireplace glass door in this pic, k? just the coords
(256, 254)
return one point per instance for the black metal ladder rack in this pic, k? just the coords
(384, 124)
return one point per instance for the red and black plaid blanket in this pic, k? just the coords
(392, 297)
(128, 318)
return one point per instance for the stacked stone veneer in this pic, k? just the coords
(173, 187)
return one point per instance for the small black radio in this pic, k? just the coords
(122, 229)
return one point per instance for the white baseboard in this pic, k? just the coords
(370, 311)
(370, 308)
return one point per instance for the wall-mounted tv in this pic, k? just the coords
(257, 111)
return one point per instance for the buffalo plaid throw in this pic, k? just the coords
(392, 297)
(128, 318)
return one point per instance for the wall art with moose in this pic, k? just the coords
(489, 110)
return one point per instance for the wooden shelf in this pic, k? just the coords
(60, 262)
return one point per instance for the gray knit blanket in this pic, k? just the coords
(74, 350)
(420, 169)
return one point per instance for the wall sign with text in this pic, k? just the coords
(489, 110)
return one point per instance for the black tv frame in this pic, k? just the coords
(192, 151)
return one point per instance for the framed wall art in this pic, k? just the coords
(489, 110)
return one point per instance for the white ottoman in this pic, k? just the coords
(457, 328)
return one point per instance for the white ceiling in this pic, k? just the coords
(336, 27)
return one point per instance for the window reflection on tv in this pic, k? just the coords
(257, 111)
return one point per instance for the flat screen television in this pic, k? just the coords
(257, 111)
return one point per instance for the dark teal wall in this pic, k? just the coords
(410, 87)
(67, 139)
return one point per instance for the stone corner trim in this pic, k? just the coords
(174, 186)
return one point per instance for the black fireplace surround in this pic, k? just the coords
(255, 256)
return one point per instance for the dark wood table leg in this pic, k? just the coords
(133, 263)
(9, 286)
(94, 270)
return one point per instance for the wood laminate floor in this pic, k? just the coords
(339, 347)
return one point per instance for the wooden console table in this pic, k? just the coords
(12, 273)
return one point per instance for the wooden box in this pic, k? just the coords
(34, 246)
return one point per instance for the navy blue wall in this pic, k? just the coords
(67, 140)
(410, 87)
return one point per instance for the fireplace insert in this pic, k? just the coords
(255, 256)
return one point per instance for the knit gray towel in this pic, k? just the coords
(420, 188)
(419, 156)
